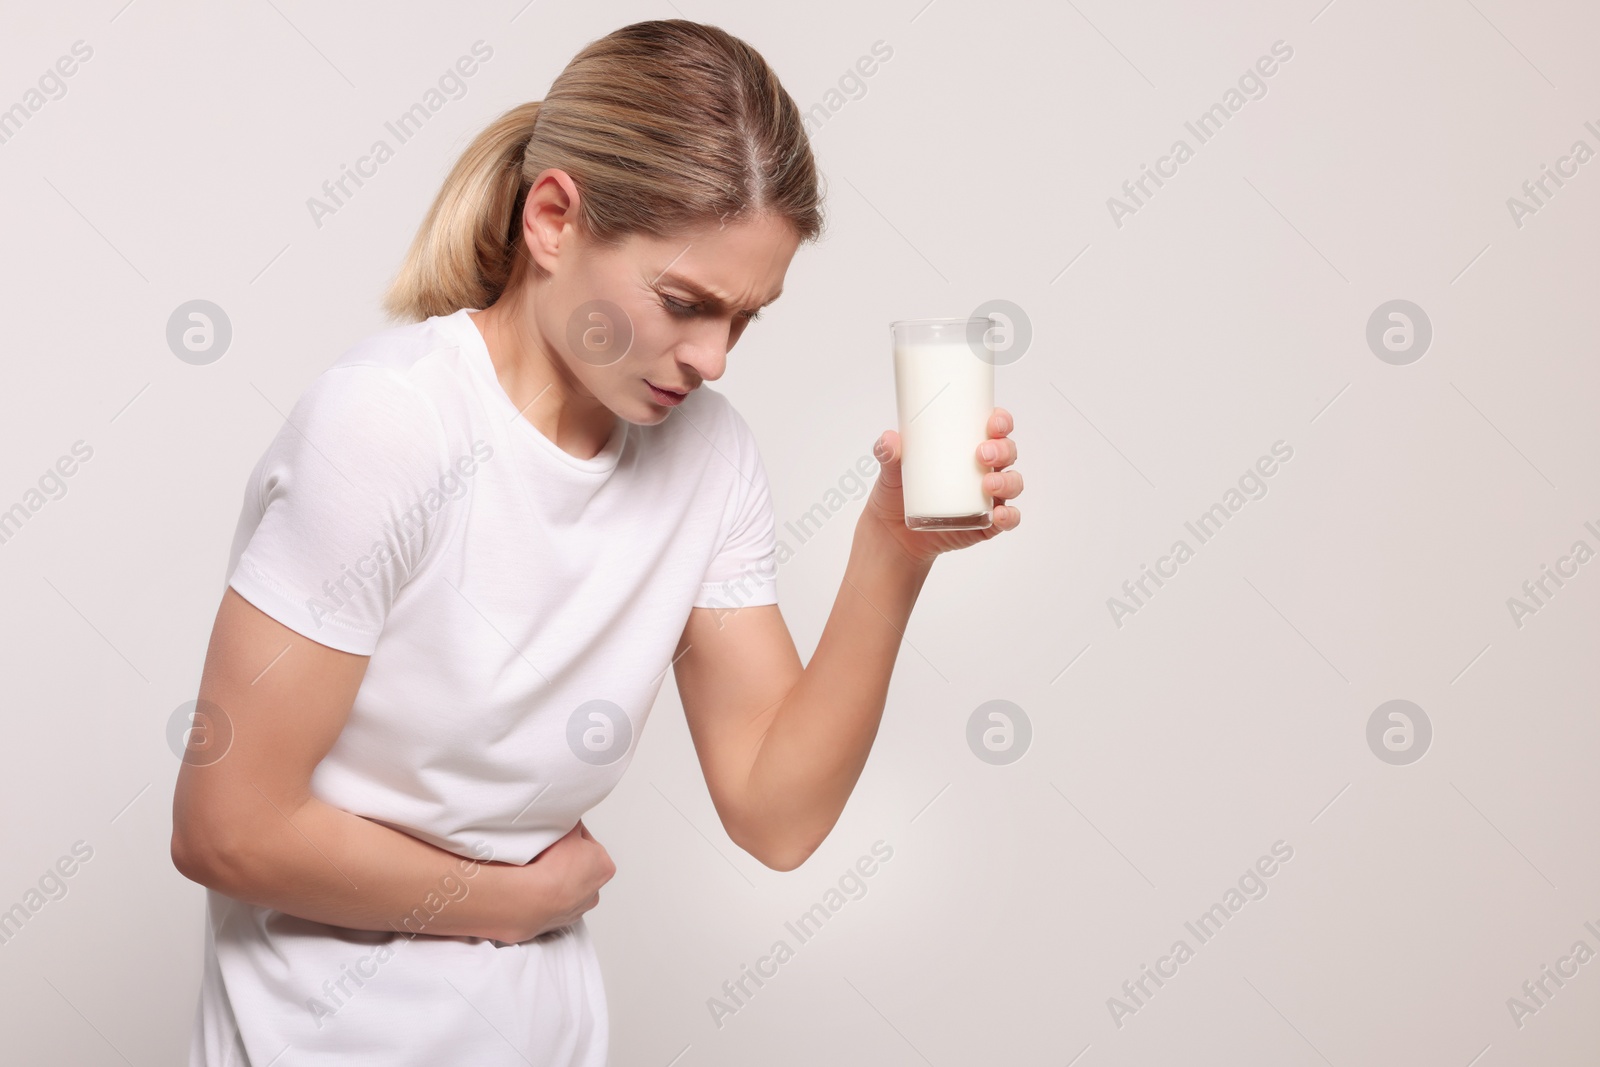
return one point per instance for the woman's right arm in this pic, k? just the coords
(247, 825)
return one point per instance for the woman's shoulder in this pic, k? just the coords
(405, 349)
(411, 376)
(382, 396)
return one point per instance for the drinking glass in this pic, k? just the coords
(944, 390)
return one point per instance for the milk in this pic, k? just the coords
(945, 395)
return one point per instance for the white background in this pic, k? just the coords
(1168, 353)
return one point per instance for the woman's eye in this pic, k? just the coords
(678, 307)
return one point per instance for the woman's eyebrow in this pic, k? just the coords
(700, 292)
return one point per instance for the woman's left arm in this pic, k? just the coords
(782, 746)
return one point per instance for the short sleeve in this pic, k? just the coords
(348, 502)
(744, 570)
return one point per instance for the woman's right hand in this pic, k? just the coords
(558, 885)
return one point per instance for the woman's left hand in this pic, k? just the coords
(886, 505)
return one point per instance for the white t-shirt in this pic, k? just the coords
(520, 606)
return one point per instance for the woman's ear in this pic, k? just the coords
(550, 216)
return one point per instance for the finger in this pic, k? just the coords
(1000, 422)
(888, 453)
(998, 452)
(1003, 485)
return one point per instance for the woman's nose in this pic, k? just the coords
(707, 357)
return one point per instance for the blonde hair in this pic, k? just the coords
(663, 126)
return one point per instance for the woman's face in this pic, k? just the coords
(654, 312)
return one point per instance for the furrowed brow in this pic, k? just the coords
(701, 293)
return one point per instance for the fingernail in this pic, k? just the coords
(880, 451)
(989, 451)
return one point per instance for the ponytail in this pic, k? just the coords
(463, 253)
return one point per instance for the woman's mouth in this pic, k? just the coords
(663, 397)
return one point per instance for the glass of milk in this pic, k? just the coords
(944, 390)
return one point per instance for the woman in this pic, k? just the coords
(465, 567)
